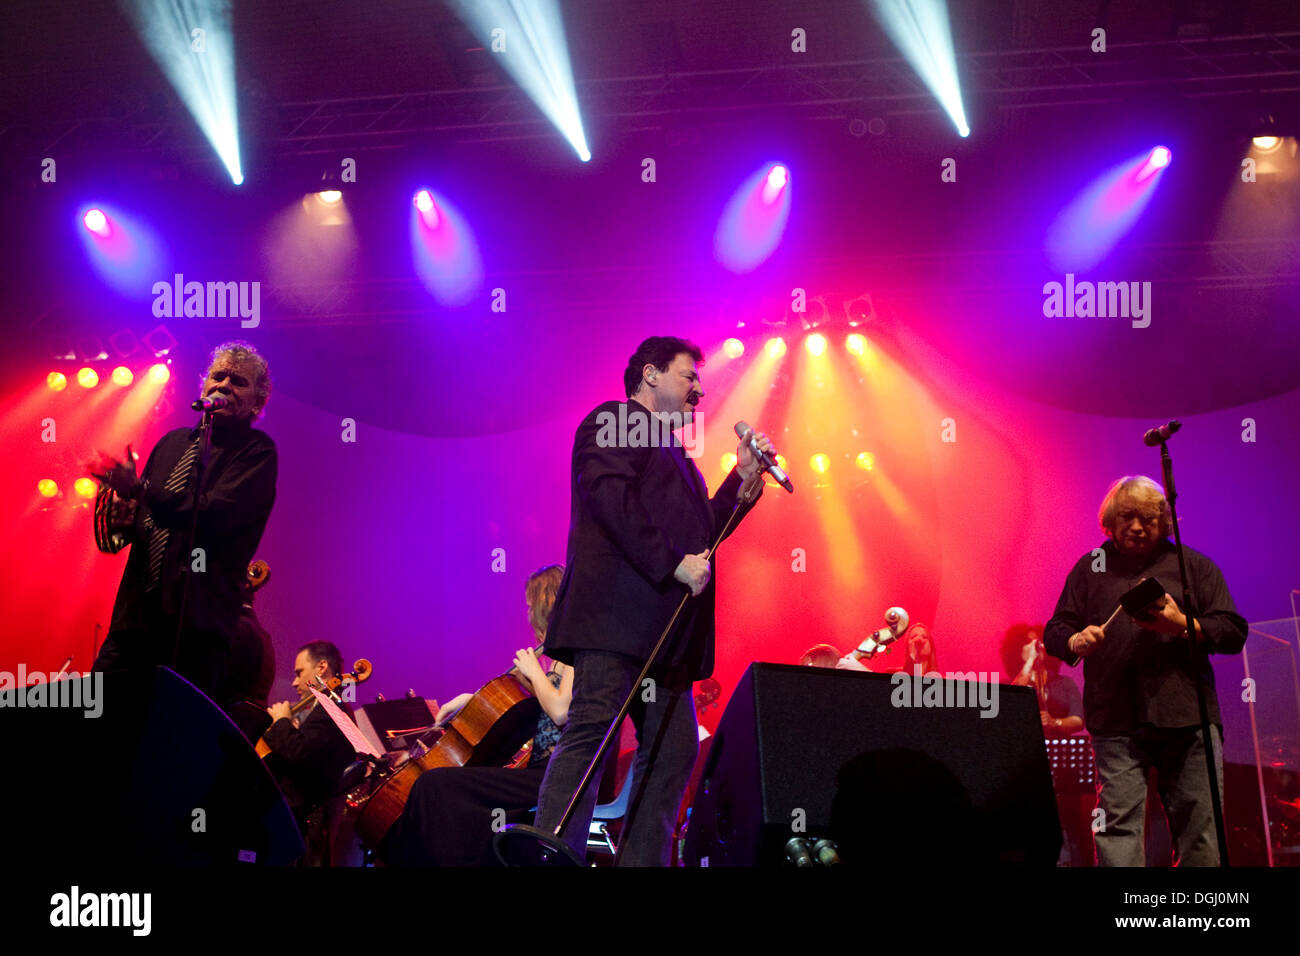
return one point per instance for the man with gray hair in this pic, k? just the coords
(233, 500)
(1140, 675)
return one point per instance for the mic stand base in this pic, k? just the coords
(518, 844)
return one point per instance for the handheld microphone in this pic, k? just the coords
(209, 404)
(765, 460)
(1161, 433)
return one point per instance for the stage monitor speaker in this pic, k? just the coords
(857, 758)
(160, 777)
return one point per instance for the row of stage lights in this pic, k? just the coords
(88, 378)
(855, 343)
(819, 463)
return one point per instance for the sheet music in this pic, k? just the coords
(350, 730)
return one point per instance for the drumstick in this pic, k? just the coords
(1110, 619)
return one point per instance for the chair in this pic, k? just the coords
(599, 839)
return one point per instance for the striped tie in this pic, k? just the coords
(176, 482)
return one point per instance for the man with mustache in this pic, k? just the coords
(641, 524)
(233, 504)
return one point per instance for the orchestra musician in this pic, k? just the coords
(641, 523)
(233, 504)
(1060, 707)
(450, 814)
(1140, 675)
(309, 754)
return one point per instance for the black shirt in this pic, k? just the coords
(234, 504)
(1136, 676)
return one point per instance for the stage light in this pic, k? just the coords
(780, 460)
(160, 373)
(728, 462)
(819, 463)
(1089, 227)
(1160, 157)
(754, 219)
(329, 197)
(815, 344)
(86, 487)
(921, 31)
(528, 40)
(87, 378)
(444, 249)
(57, 381)
(122, 376)
(193, 44)
(775, 182)
(96, 222)
(865, 460)
(48, 487)
(775, 347)
(1266, 144)
(856, 343)
(734, 348)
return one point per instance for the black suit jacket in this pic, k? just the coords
(308, 761)
(234, 504)
(635, 513)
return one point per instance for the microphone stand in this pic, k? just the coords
(200, 466)
(1199, 655)
(518, 844)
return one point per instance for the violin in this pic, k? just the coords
(361, 671)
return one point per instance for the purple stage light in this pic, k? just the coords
(754, 219)
(444, 250)
(96, 222)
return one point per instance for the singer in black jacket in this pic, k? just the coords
(1139, 696)
(641, 521)
(233, 503)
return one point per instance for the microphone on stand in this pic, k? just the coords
(765, 460)
(209, 404)
(1161, 433)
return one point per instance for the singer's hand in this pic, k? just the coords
(746, 463)
(694, 572)
(118, 475)
(1084, 642)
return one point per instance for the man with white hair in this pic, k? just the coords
(1140, 673)
(233, 503)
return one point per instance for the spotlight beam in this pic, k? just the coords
(921, 31)
(200, 67)
(536, 54)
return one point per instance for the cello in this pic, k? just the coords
(488, 731)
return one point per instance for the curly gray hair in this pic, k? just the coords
(245, 353)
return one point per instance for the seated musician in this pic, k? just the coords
(453, 812)
(309, 754)
(1059, 704)
(828, 655)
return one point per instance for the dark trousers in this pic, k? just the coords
(202, 656)
(667, 743)
(1178, 756)
(452, 814)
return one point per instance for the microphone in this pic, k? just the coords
(796, 851)
(209, 404)
(1161, 433)
(767, 462)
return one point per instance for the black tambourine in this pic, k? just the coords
(109, 538)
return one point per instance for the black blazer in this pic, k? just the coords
(234, 504)
(635, 513)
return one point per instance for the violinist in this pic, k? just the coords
(453, 812)
(309, 753)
